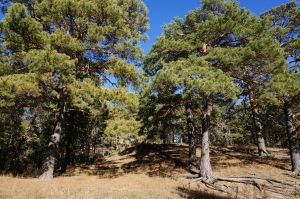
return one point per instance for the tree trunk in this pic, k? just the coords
(165, 136)
(69, 142)
(49, 162)
(67, 158)
(191, 134)
(87, 151)
(257, 126)
(205, 166)
(293, 139)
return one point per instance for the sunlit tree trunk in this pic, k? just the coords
(205, 166)
(294, 144)
(257, 126)
(49, 162)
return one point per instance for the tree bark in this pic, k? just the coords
(257, 126)
(293, 139)
(49, 162)
(69, 142)
(191, 134)
(205, 166)
(67, 158)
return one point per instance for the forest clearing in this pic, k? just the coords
(155, 171)
(148, 99)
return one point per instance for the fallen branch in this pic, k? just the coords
(262, 183)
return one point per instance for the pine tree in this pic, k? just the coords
(171, 47)
(285, 86)
(244, 48)
(74, 47)
(179, 64)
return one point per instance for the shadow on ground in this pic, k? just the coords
(198, 194)
(153, 160)
(171, 160)
(244, 155)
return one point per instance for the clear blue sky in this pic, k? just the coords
(163, 11)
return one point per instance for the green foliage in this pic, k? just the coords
(18, 89)
(22, 32)
(196, 75)
(286, 86)
(81, 53)
(122, 128)
(84, 54)
(285, 23)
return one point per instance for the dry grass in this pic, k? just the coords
(129, 186)
(148, 172)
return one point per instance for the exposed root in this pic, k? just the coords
(294, 176)
(262, 183)
(210, 183)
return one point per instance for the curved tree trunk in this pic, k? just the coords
(294, 144)
(205, 166)
(191, 134)
(49, 162)
(257, 126)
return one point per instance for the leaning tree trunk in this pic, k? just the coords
(294, 144)
(49, 162)
(205, 166)
(191, 134)
(257, 126)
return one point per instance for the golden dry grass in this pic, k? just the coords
(150, 171)
(129, 186)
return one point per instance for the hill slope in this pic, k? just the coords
(153, 171)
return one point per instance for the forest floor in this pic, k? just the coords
(155, 171)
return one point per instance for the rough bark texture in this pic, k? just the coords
(49, 162)
(286, 189)
(205, 166)
(257, 126)
(294, 144)
(191, 134)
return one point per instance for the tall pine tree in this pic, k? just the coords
(72, 47)
(285, 21)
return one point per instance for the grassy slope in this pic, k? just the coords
(151, 171)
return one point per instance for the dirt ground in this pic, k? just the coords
(155, 171)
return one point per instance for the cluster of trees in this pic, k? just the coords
(67, 79)
(221, 69)
(73, 80)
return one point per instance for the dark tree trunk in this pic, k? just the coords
(67, 158)
(68, 150)
(293, 139)
(254, 138)
(257, 126)
(165, 136)
(87, 151)
(49, 162)
(205, 166)
(191, 134)
(69, 142)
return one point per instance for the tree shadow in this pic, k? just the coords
(158, 160)
(153, 160)
(105, 169)
(246, 156)
(171, 160)
(198, 194)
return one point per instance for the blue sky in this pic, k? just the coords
(163, 11)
